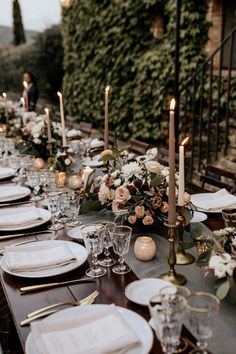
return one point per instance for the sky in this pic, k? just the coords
(37, 14)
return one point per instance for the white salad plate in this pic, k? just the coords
(141, 291)
(79, 251)
(76, 233)
(6, 172)
(198, 216)
(138, 324)
(24, 192)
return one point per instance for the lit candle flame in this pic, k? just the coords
(59, 94)
(107, 89)
(46, 110)
(172, 104)
(4, 95)
(25, 84)
(185, 141)
(22, 100)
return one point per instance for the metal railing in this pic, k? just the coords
(207, 107)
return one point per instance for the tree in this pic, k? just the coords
(18, 29)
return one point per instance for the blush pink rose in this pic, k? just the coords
(122, 194)
(132, 219)
(148, 220)
(165, 207)
(139, 211)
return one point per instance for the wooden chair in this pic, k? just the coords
(163, 157)
(86, 128)
(111, 137)
(138, 147)
(220, 178)
(69, 122)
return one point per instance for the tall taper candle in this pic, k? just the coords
(4, 95)
(181, 173)
(64, 142)
(23, 103)
(171, 197)
(106, 122)
(48, 125)
(25, 84)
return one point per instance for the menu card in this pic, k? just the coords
(97, 332)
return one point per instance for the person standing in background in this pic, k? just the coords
(30, 92)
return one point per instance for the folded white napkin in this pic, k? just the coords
(217, 200)
(11, 191)
(24, 258)
(95, 143)
(4, 172)
(73, 132)
(97, 332)
(19, 216)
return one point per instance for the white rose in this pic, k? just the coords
(154, 167)
(103, 194)
(215, 261)
(67, 161)
(220, 271)
(117, 182)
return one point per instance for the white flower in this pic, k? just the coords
(220, 271)
(152, 153)
(230, 267)
(153, 166)
(114, 174)
(105, 194)
(105, 177)
(117, 182)
(37, 141)
(215, 261)
(67, 161)
(130, 169)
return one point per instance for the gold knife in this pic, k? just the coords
(31, 288)
(8, 237)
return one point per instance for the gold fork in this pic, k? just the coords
(54, 308)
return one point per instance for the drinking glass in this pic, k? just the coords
(167, 315)
(93, 238)
(74, 206)
(65, 205)
(53, 203)
(121, 236)
(34, 182)
(108, 261)
(202, 308)
(229, 216)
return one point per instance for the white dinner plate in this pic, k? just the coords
(198, 217)
(76, 233)
(24, 193)
(201, 197)
(95, 143)
(79, 251)
(138, 324)
(45, 217)
(141, 291)
(6, 172)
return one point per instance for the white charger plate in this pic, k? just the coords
(24, 193)
(201, 197)
(79, 251)
(45, 215)
(141, 291)
(76, 233)
(138, 324)
(198, 217)
(6, 172)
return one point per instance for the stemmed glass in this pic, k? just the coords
(65, 205)
(93, 238)
(34, 182)
(121, 236)
(74, 206)
(167, 313)
(53, 204)
(108, 261)
(202, 308)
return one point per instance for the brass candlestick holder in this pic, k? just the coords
(182, 257)
(171, 275)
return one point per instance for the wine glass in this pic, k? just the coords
(93, 238)
(74, 206)
(108, 261)
(65, 206)
(167, 314)
(53, 204)
(121, 236)
(34, 182)
(202, 308)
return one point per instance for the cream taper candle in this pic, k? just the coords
(106, 121)
(171, 196)
(48, 125)
(64, 141)
(181, 173)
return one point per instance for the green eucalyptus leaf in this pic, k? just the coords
(223, 289)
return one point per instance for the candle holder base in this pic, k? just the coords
(173, 277)
(184, 258)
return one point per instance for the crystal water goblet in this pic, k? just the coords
(53, 203)
(202, 308)
(74, 206)
(121, 236)
(65, 205)
(93, 235)
(108, 261)
(34, 182)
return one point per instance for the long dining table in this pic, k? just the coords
(111, 288)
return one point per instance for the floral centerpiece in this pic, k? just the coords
(139, 187)
(61, 161)
(220, 259)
